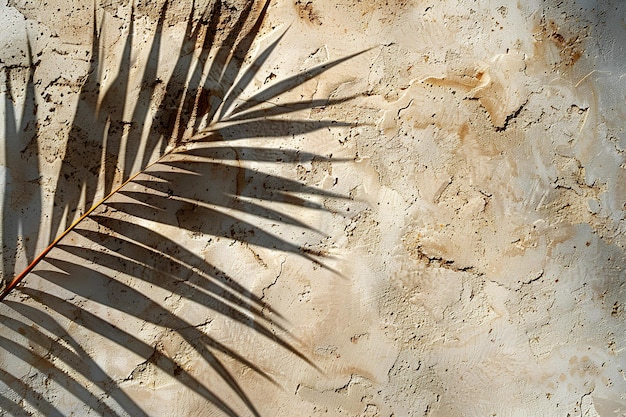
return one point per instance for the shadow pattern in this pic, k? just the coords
(190, 134)
(21, 208)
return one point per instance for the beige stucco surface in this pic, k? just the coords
(475, 267)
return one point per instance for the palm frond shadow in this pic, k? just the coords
(24, 393)
(73, 355)
(144, 175)
(45, 365)
(21, 209)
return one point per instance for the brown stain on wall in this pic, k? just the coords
(498, 85)
(463, 131)
(307, 12)
(569, 46)
(463, 81)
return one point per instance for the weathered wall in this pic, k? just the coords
(476, 269)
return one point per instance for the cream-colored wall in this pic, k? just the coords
(478, 267)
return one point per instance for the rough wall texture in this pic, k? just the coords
(476, 269)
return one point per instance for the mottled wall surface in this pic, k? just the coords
(459, 219)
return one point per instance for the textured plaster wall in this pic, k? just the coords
(478, 266)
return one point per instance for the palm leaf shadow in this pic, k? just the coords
(20, 392)
(44, 364)
(101, 152)
(73, 355)
(21, 207)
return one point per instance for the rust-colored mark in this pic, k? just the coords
(569, 46)
(306, 12)
(463, 131)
